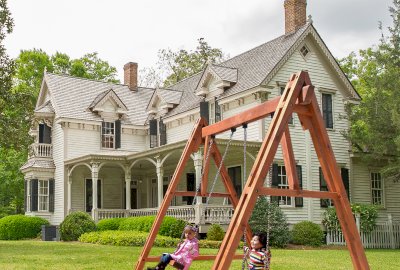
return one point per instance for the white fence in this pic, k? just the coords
(385, 235)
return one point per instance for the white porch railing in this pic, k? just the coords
(199, 214)
(41, 150)
(385, 235)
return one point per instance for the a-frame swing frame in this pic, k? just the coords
(298, 97)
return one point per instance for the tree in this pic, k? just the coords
(173, 66)
(375, 122)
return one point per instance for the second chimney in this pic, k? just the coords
(295, 15)
(130, 75)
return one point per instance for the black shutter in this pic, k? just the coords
(26, 195)
(217, 112)
(163, 133)
(327, 110)
(298, 201)
(118, 134)
(323, 187)
(275, 182)
(41, 133)
(204, 113)
(153, 133)
(34, 194)
(345, 177)
(51, 195)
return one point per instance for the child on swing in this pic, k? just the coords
(259, 255)
(184, 254)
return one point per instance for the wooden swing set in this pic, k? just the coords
(298, 97)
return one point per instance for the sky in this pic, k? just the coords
(123, 31)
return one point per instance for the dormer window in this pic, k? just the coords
(158, 133)
(304, 51)
(111, 134)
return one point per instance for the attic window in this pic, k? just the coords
(304, 51)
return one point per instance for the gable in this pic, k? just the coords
(108, 101)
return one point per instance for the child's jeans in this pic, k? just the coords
(166, 258)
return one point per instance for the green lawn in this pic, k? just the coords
(58, 255)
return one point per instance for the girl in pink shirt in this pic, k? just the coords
(185, 253)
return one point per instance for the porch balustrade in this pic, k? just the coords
(41, 150)
(199, 214)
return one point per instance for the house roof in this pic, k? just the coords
(47, 107)
(73, 96)
(247, 71)
(102, 97)
(37, 163)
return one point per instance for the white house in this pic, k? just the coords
(111, 149)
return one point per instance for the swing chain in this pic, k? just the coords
(245, 252)
(220, 166)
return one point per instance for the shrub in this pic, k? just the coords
(279, 227)
(6, 211)
(215, 233)
(17, 227)
(109, 224)
(307, 233)
(368, 215)
(135, 238)
(169, 227)
(76, 224)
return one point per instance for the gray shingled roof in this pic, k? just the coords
(47, 107)
(170, 96)
(37, 163)
(226, 73)
(253, 67)
(72, 97)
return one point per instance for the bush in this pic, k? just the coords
(279, 227)
(368, 215)
(6, 211)
(215, 233)
(135, 238)
(170, 226)
(110, 224)
(76, 224)
(20, 227)
(307, 233)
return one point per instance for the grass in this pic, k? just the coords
(62, 255)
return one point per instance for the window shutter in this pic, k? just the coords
(204, 111)
(217, 112)
(298, 201)
(118, 134)
(51, 195)
(41, 133)
(327, 110)
(47, 134)
(345, 177)
(323, 187)
(153, 133)
(163, 133)
(34, 194)
(26, 196)
(275, 182)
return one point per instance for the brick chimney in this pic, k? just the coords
(295, 15)
(130, 75)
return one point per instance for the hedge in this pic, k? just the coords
(135, 238)
(17, 227)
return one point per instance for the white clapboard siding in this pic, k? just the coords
(58, 157)
(135, 143)
(180, 132)
(81, 142)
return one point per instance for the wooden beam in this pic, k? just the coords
(288, 158)
(193, 193)
(298, 193)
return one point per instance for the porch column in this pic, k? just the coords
(128, 190)
(69, 207)
(160, 176)
(95, 176)
(198, 165)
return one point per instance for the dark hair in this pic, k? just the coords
(262, 238)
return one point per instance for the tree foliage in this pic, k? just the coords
(174, 66)
(375, 122)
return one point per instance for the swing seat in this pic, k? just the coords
(176, 264)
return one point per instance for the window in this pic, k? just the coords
(235, 173)
(323, 186)
(376, 188)
(44, 134)
(43, 195)
(280, 181)
(291, 117)
(158, 133)
(304, 51)
(327, 112)
(107, 135)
